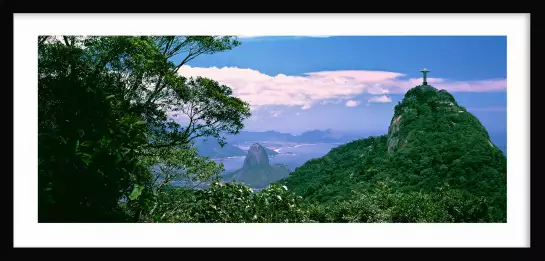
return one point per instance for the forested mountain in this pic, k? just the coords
(435, 153)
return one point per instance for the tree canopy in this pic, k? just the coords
(435, 153)
(104, 125)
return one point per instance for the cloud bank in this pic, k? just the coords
(260, 89)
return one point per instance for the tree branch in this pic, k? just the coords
(168, 45)
(191, 126)
(66, 41)
(192, 55)
(158, 88)
(43, 39)
(177, 48)
(170, 144)
(194, 137)
(189, 57)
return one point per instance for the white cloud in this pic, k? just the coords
(380, 99)
(377, 89)
(260, 89)
(352, 103)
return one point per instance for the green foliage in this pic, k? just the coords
(434, 147)
(331, 177)
(383, 204)
(136, 192)
(210, 107)
(228, 203)
(88, 146)
(104, 128)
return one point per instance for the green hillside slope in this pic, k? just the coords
(436, 156)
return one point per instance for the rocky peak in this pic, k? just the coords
(257, 155)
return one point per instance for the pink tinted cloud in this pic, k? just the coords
(380, 99)
(304, 91)
(260, 89)
(352, 103)
(495, 85)
(401, 86)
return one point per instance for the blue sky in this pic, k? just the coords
(351, 84)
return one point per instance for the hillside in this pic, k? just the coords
(257, 171)
(434, 149)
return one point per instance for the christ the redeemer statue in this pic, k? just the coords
(425, 72)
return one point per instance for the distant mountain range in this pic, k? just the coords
(314, 136)
(212, 149)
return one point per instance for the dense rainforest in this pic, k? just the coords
(108, 148)
(436, 164)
